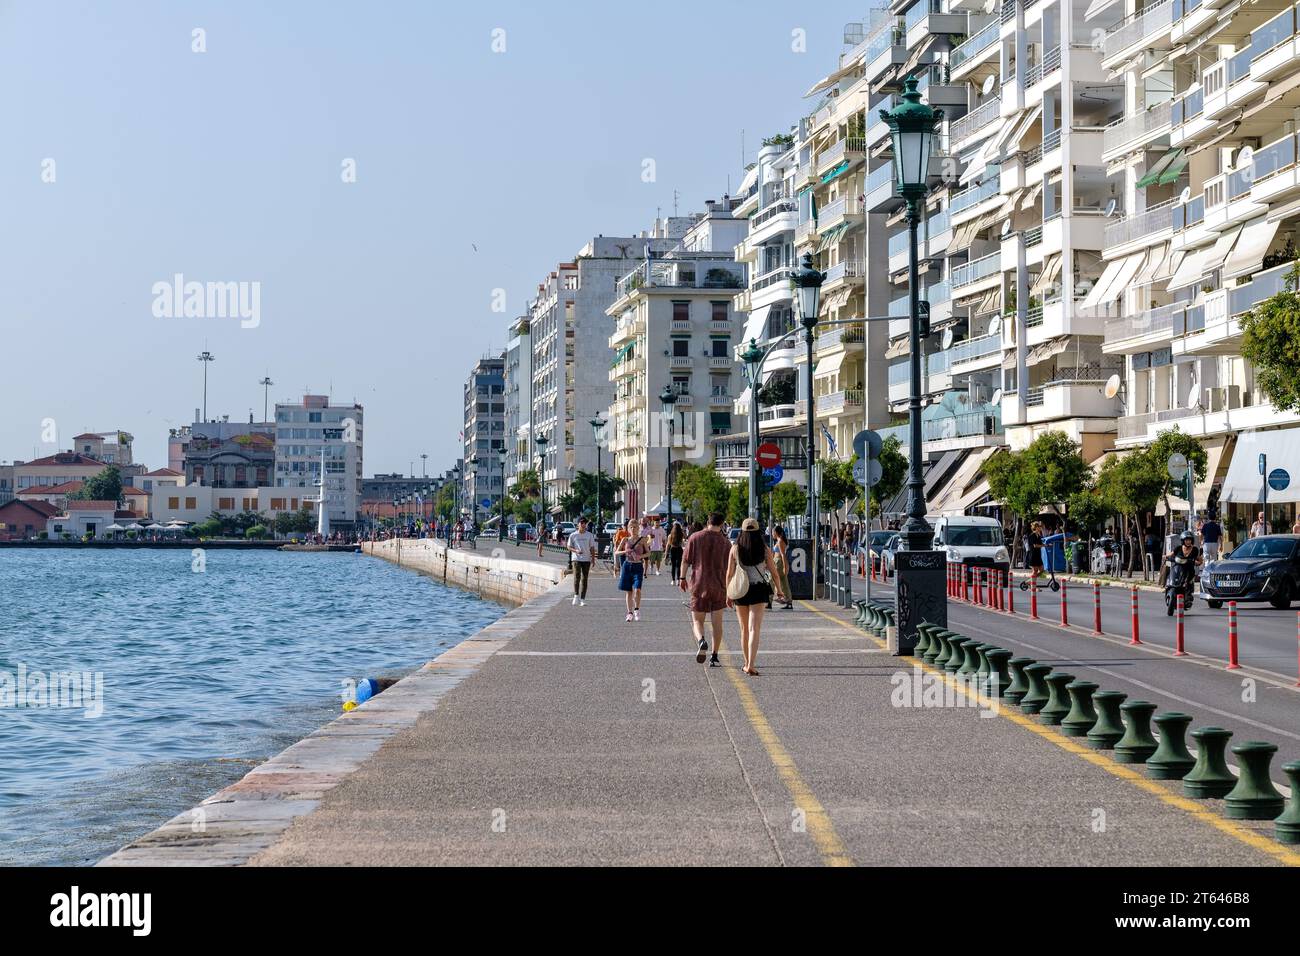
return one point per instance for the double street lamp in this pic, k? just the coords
(597, 435)
(541, 442)
(753, 357)
(808, 290)
(920, 568)
(501, 522)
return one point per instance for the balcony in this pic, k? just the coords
(969, 52)
(973, 349)
(1275, 175)
(698, 271)
(1131, 332)
(680, 361)
(845, 270)
(681, 325)
(720, 325)
(1147, 28)
(779, 216)
(972, 272)
(837, 403)
(969, 198)
(849, 150)
(1129, 132)
(721, 361)
(969, 425)
(1151, 223)
(833, 213)
(1272, 46)
(841, 336)
(983, 115)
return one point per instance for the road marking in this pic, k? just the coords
(1098, 758)
(832, 850)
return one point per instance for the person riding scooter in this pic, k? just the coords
(1182, 562)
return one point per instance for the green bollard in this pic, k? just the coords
(923, 638)
(940, 656)
(1171, 761)
(861, 606)
(1137, 743)
(998, 680)
(936, 645)
(982, 663)
(1082, 716)
(1109, 728)
(1210, 779)
(958, 655)
(1058, 699)
(1035, 698)
(970, 663)
(1254, 797)
(1019, 685)
(1287, 827)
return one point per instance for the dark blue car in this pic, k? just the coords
(1266, 568)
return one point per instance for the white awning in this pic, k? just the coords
(1248, 255)
(756, 325)
(1051, 269)
(1031, 197)
(980, 161)
(1245, 485)
(1013, 200)
(1097, 6)
(1189, 270)
(1019, 129)
(832, 79)
(1155, 261)
(1093, 298)
(829, 365)
(1169, 266)
(954, 490)
(1119, 273)
(746, 184)
(1213, 459)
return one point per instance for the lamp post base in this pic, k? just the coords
(920, 597)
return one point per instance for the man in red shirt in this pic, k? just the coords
(704, 577)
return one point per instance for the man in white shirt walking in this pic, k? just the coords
(582, 551)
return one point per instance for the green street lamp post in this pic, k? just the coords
(541, 442)
(597, 435)
(501, 522)
(919, 593)
(668, 398)
(753, 357)
(808, 289)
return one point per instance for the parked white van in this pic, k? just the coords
(975, 542)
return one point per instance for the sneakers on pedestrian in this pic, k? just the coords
(582, 604)
(629, 617)
(714, 662)
(574, 602)
(636, 615)
(704, 651)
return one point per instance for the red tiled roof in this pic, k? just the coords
(37, 490)
(129, 490)
(87, 435)
(42, 508)
(125, 514)
(164, 473)
(91, 506)
(64, 458)
(68, 487)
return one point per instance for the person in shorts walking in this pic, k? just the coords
(657, 537)
(704, 577)
(631, 575)
(752, 555)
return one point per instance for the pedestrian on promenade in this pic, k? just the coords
(781, 558)
(1260, 527)
(1033, 554)
(631, 575)
(676, 541)
(1211, 535)
(658, 538)
(704, 562)
(582, 551)
(616, 545)
(750, 556)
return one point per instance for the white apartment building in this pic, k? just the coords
(484, 436)
(303, 430)
(570, 328)
(1203, 162)
(676, 326)
(519, 400)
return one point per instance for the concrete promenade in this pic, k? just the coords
(587, 740)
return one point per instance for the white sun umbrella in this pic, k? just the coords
(115, 527)
(134, 526)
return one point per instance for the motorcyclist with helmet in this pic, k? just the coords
(1182, 561)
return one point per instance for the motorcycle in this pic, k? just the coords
(1181, 580)
(1105, 557)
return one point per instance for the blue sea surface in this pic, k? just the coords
(205, 675)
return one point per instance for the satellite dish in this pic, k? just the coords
(995, 325)
(997, 397)
(947, 337)
(1006, 228)
(990, 5)
(1194, 397)
(1110, 207)
(990, 81)
(1112, 386)
(1185, 195)
(1244, 156)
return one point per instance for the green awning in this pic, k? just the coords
(832, 236)
(1156, 173)
(1175, 169)
(622, 353)
(836, 171)
(721, 421)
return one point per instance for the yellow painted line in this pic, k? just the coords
(818, 821)
(1258, 841)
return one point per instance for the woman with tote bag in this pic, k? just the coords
(750, 577)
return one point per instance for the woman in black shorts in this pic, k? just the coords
(753, 555)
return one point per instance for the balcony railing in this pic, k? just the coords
(781, 274)
(984, 114)
(976, 44)
(841, 335)
(838, 401)
(844, 206)
(1190, 213)
(1134, 426)
(963, 426)
(937, 362)
(975, 348)
(1033, 237)
(1131, 129)
(1135, 29)
(1239, 65)
(838, 151)
(1154, 219)
(1157, 321)
(845, 269)
(920, 10)
(1274, 158)
(1273, 33)
(974, 195)
(771, 210)
(1033, 317)
(1008, 12)
(1051, 140)
(1187, 107)
(976, 270)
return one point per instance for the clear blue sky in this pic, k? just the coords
(225, 166)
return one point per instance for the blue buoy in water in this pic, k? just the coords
(367, 687)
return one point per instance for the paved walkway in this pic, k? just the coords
(587, 740)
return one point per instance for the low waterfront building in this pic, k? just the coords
(194, 503)
(82, 518)
(6, 483)
(24, 520)
(160, 478)
(56, 495)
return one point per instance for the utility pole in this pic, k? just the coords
(266, 384)
(205, 357)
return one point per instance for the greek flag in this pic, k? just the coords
(829, 440)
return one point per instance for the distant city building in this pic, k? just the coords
(239, 461)
(56, 469)
(303, 431)
(6, 483)
(485, 431)
(113, 448)
(519, 401)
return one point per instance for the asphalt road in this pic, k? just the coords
(1258, 702)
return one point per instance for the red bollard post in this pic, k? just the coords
(1232, 637)
(1134, 610)
(1033, 598)
(995, 590)
(1297, 630)
(979, 588)
(1065, 610)
(1011, 595)
(1178, 629)
(965, 583)
(1096, 607)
